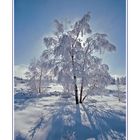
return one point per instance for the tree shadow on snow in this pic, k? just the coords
(67, 123)
(109, 123)
(19, 136)
(22, 104)
(23, 100)
(104, 125)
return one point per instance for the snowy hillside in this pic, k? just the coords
(55, 116)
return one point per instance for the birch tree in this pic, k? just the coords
(74, 58)
(36, 75)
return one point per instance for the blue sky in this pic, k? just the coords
(33, 19)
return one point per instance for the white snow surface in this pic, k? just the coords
(57, 117)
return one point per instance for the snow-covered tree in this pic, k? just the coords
(37, 75)
(74, 58)
(118, 87)
(122, 80)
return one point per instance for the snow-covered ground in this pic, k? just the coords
(56, 117)
(114, 87)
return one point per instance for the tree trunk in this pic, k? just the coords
(76, 91)
(35, 89)
(118, 92)
(74, 74)
(81, 91)
(82, 82)
(40, 79)
(119, 96)
(75, 82)
(39, 90)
